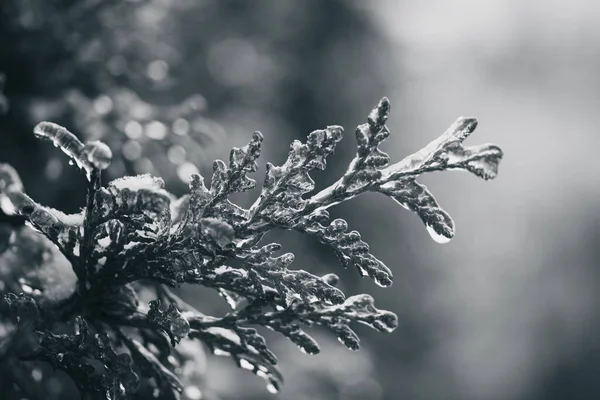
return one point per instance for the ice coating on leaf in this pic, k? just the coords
(226, 333)
(415, 197)
(247, 349)
(350, 248)
(98, 154)
(359, 308)
(171, 321)
(231, 179)
(10, 182)
(284, 187)
(233, 281)
(273, 271)
(60, 228)
(94, 155)
(303, 340)
(218, 231)
(447, 152)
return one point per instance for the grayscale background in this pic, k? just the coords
(508, 310)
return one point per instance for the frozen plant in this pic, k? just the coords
(133, 238)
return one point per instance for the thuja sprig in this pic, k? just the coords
(134, 235)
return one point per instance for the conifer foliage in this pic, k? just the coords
(134, 236)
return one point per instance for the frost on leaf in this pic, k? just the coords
(133, 238)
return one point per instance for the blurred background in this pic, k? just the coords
(510, 309)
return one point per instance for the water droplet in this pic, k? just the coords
(60, 357)
(71, 162)
(272, 388)
(436, 236)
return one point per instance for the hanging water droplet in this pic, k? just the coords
(436, 236)
(272, 388)
(71, 162)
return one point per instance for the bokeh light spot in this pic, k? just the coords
(133, 130)
(156, 130)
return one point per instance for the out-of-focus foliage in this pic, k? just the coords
(134, 236)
